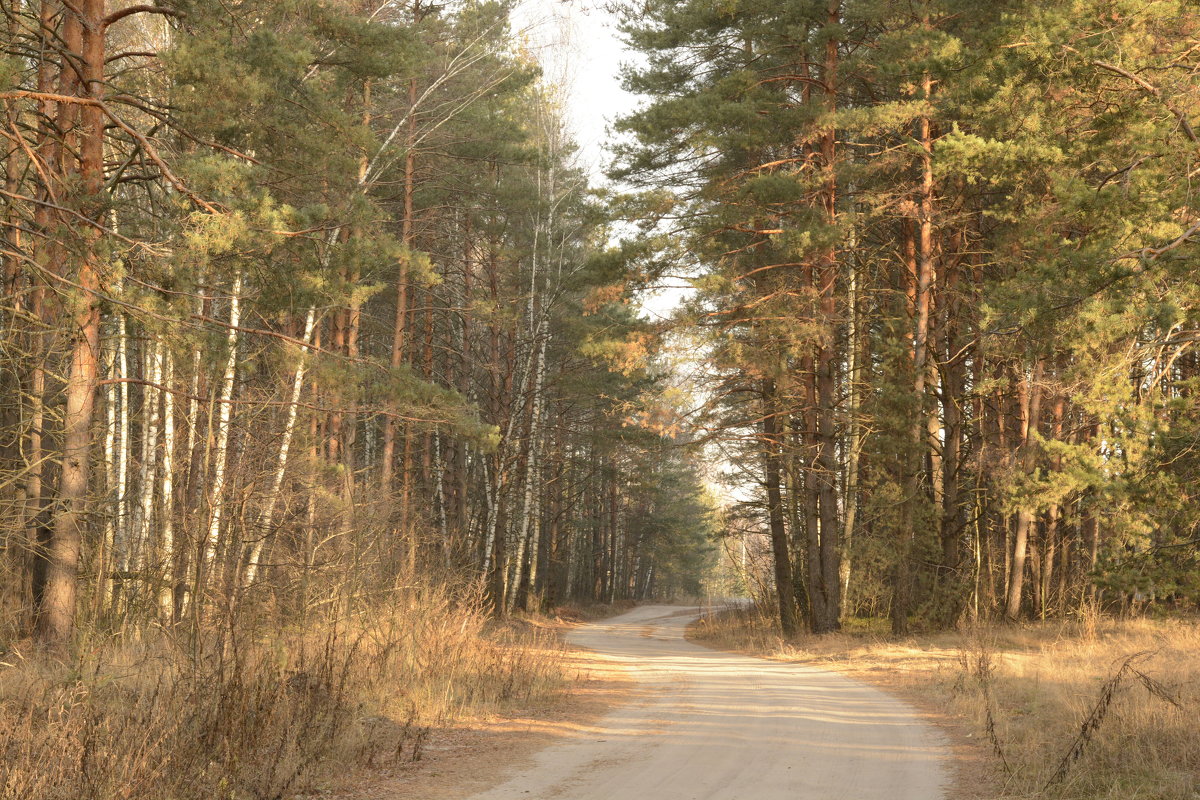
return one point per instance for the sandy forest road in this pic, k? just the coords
(719, 726)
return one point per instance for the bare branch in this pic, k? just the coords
(129, 11)
(1153, 90)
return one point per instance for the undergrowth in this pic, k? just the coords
(254, 713)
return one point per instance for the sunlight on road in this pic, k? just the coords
(721, 726)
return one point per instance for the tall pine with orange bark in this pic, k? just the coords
(944, 257)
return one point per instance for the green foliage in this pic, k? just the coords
(1060, 162)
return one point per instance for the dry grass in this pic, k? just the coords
(589, 612)
(1077, 710)
(254, 715)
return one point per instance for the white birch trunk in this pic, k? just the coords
(268, 513)
(106, 560)
(166, 542)
(121, 546)
(216, 502)
(853, 443)
(527, 525)
(151, 408)
(494, 490)
(534, 515)
(439, 471)
(516, 565)
(194, 404)
(490, 518)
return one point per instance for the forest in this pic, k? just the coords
(324, 360)
(944, 266)
(301, 294)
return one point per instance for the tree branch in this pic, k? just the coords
(353, 409)
(1153, 90)
(129, 11)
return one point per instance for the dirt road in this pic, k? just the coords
(719, 726)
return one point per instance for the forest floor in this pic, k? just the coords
(1083, 709)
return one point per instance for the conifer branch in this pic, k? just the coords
(1154, 91)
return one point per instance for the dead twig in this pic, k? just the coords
(1100, 710)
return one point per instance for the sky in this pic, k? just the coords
(578, 46)
(581, 52)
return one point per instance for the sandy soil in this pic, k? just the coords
(914, 671)
(970, 763)
(713, 725)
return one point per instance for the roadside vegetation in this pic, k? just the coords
(254, 711)
(1085, 708)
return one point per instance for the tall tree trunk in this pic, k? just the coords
(826, 615)
(814, 598)
(953, 383)
(1052, 527)
(921, 294)
(1031, 401)
(151, 418)
(83, 33)
(401, 321)
(166, 538)
(789, 622)
(216, 504)
(853, 438)
(104, 558)
(267, 519)
(534, 513)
